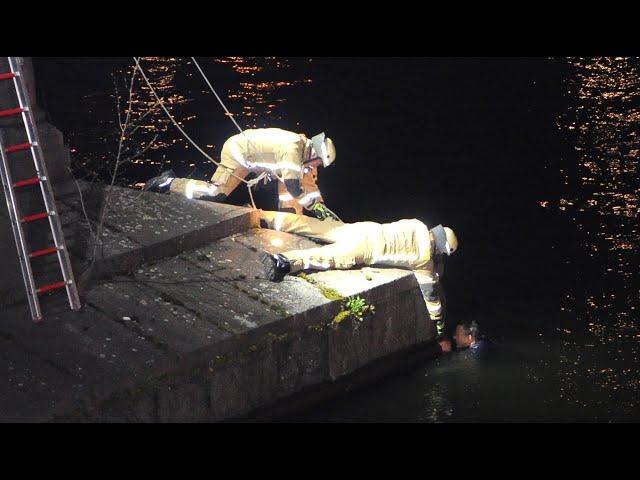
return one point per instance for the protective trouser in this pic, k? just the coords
(434, 298)
(225, 180)
(349, 244)
(229, 175)
(340, 255)
(325, 231)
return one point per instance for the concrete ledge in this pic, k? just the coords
(141, 226)
(201, 336)
(277, 360)
(396, 363)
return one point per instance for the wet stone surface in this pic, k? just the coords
(141, 226)
(198, 334)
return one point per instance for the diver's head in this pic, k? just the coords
(467, 334)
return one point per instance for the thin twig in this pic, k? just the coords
(115, 86)
(84, 210)
(121, 140)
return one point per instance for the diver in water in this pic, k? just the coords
(470, 336)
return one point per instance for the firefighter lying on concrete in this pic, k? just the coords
(405, 244)
(290, 156)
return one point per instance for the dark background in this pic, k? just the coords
(465, 142)
(472, 143)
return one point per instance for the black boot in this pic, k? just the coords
(160, 184)
(275, 266)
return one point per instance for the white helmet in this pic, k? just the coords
(452, 240)
(445, 240)
(324, 148)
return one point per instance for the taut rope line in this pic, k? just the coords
(249, 183)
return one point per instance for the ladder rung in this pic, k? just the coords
(53, 286)
(24, 183)
(18, 148)
(44, 251)
(22, 111)
(11, 111)
(33, 218)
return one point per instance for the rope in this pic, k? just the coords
(184, 134)
(334, 214)
(229, 114)
(217, 96)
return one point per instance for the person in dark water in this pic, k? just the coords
(470, 336)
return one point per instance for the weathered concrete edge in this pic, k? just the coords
(199, 381)
(126, 262)
(397, 362)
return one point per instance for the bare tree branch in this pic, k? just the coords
(132, 143)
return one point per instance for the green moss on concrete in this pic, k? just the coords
(354, 307)
(327, 292)
(342, 315)
(318, 327)
(358, 307)
(279, 338)
(217, 361)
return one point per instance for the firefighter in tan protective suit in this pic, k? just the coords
(405, 244)
(291, 157)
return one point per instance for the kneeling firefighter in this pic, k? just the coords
(405, 244)
(292, 157)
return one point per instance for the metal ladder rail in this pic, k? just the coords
(34, 146)
(18, 233)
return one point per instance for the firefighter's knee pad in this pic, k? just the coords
(294, 188)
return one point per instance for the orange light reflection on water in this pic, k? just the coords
(602, 200)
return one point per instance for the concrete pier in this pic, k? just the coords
(179, 325)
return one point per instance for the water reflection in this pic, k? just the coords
(586, 369)
(601, 199)
(255, 89)
(590, 372)
(262, 87)
(94, 137)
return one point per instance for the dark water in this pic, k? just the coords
(533, 162)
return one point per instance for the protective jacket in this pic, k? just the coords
(258, 150)
(271, 149)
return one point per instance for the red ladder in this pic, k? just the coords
(50, 212)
